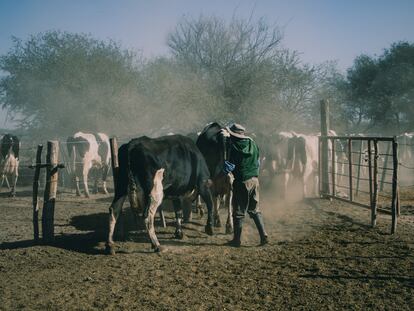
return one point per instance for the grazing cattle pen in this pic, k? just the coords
(320, 251)
(360, 170)
(371, 172)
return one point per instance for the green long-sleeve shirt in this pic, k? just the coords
(245, 155)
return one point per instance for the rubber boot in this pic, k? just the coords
(238, 224)
(258, 220)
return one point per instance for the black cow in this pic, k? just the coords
(153, 169)
(188, 202)
(9, 148)
(214, 146)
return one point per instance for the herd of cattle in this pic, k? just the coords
(285, 155)
(185, 168)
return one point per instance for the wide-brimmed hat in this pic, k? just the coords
(237, 130)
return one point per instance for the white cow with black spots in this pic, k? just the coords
(89, 153)
(9, 161)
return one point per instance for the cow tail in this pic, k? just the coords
(71, 147)
(133, 186)
(73, 163)
(131, 180)
(303, 156)
(123, 175)
(291, 153)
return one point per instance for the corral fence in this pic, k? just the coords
(366, 170)
(28, 152)
(52, 165)
(56, 158)
(362, 171)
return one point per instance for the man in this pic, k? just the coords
(244, 164)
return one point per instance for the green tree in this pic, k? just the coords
(381, 90)
(58, 82)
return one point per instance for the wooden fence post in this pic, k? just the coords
(325, 156)
(35, 192)
(384, 169)
(333, 169)
(398, 201)
(370, 172)
(375, 195)
(320, 166)
(394, 203)
(65, 177)
(359, 167)
(50, 191)
(351, 190)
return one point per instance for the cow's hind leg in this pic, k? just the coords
(315, 184)
(186, 204)
(304, 180)
(95, 186)
(199, 206)
(217, 220)
(85, 174)
(136, 201)
(162, 217)
(285, 181)
(114, 211)
(76, 182)
(104, 176)
(155, 200)
(229, 223)
(7, 181)
(14, 183)
(205, 194)
(3, 178)
(178, 219)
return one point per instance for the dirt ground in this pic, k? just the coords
(323, 256)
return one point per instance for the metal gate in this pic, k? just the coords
(362, 171)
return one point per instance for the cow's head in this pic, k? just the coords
(214, 144)
(9, 143)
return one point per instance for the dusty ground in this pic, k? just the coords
(323, 255)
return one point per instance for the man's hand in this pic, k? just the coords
(228, 167)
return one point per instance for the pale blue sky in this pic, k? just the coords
(320, 30)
